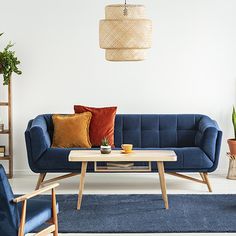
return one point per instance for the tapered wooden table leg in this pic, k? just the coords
(81, 183)
(161, 173)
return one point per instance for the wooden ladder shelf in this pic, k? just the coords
(8, 131)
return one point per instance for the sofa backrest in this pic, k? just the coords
(156, 131)
(151, 130)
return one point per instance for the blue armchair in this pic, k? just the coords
(15, 220)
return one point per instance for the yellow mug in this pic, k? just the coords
(127, 147)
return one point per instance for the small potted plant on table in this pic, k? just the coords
(232, 142)
(105, 147)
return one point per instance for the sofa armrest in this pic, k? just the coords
(39, 137)
(207, 137)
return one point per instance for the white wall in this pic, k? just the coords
(191, 67)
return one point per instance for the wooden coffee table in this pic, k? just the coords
(158, 156)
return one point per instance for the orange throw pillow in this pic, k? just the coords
(102, 123)
(71, 130)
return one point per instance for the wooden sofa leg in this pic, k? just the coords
(205, 178)
(40, 180)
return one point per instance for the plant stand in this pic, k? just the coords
(232, 166)
(9, 156)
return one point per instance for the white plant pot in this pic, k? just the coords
(105, 149)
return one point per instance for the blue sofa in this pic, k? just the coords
(196, 139)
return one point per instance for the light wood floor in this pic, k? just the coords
(129, 184)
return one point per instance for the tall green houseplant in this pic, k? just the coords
(8, 63)
(232, 142)
(234, 121)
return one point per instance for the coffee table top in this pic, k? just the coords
(116, 155)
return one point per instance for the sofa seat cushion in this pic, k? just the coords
(188, 159)
(56, 160)
(38, 212)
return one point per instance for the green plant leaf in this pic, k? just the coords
(9, 45)
(234, 121)
(8, 63)
(105, 141)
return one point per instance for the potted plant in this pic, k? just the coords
(105, 147)
(232, 142)
(8, 63)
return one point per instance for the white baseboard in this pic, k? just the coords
(26, 172)
(23, 172)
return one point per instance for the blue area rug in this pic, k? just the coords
(146, 214)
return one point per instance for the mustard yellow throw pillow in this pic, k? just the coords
(71, 130)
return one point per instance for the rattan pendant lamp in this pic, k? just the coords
(125, 33)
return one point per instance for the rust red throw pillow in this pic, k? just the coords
(102, 123)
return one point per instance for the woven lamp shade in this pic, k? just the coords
(125, 37)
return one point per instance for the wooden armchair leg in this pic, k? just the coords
(21, 231)
(54, 213)
(40, 180)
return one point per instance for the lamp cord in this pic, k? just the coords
(125, 12)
